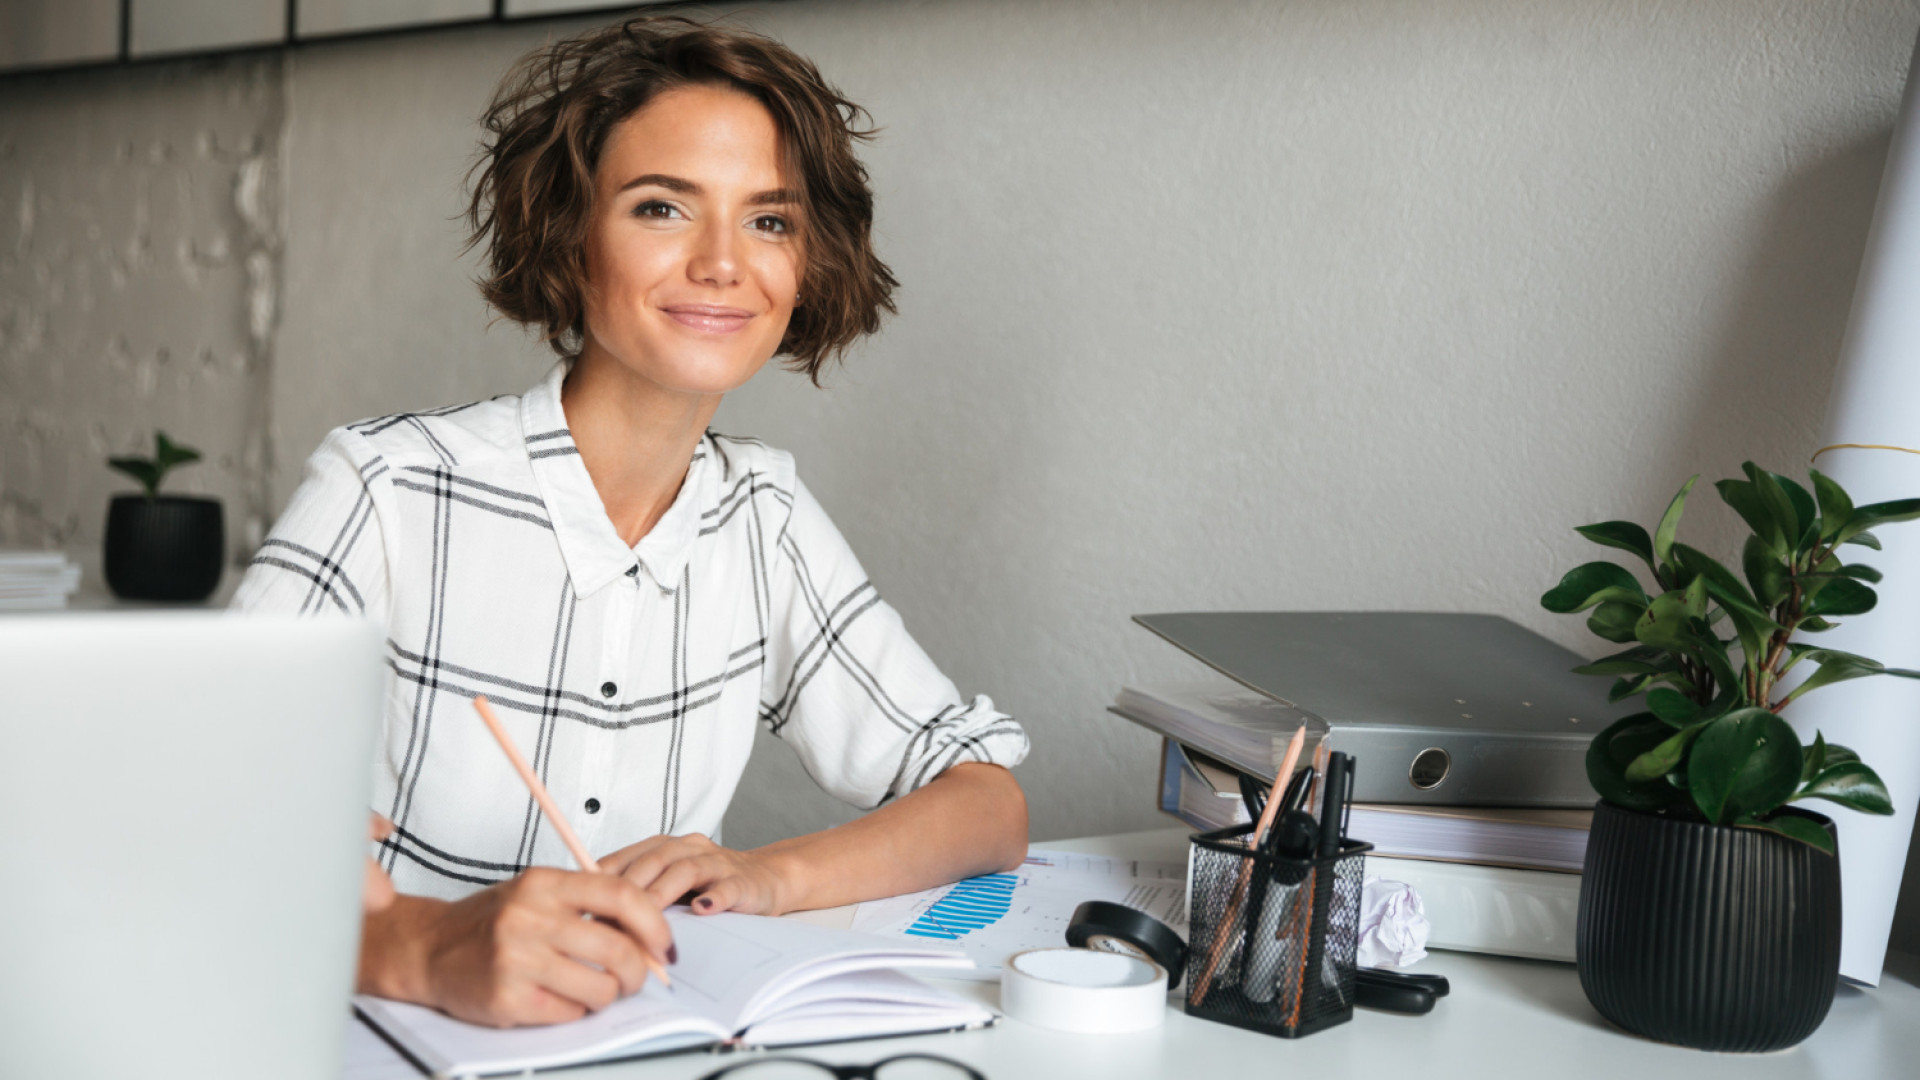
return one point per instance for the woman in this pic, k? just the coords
(670, 204)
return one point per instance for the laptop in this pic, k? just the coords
(183, 823)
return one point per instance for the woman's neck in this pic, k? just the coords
(635, 438)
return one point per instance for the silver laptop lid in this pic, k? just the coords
(183, 820)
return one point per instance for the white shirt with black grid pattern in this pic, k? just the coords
(630, 677)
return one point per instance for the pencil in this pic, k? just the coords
(1225, 930)
(554, 816)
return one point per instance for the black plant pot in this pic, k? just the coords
(1708, 936)
(167, 548)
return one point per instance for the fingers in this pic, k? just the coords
(619, 861)
(721, 896)
(378, 828)
(604, 946)
(589, 988)
(659, 853)
(683, 876)
(618, 900)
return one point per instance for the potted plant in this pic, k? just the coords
(162, 547)
(1710, 903)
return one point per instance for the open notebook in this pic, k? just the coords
(743, 979)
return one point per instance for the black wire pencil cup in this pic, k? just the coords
(1275, 915)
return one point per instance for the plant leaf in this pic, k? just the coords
(1664, 758)
(1865, 540)
(1806, 515)
(140, 469)
(1746, 501)
(1779, 505)
(1635, 661)
(1614, 621)
(1744, 763)
(1874, 515)
(1814, 758)
(1837, 754)
(1836, 507)
(1815, 624)
(1837, 666)
(167, 453)
(1593, 583)
(1614, 749)
(1667, 623)
(1852, 785)
(1766, 573)
(1624, 535)
(1663, 533)
(1627, 686)
(1841, 596)
(1793, 827)
(1673, 706)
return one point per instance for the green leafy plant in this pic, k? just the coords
(150, 471)
(1711, 647)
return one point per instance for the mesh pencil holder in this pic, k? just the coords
(1273, 940)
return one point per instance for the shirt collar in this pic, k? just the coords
(594, 553)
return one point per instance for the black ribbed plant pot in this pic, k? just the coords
(1708, 936)
(170, 547)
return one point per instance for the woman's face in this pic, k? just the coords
(693, 255)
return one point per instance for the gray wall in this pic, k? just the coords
(1234, 303)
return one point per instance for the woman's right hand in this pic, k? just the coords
(547, 947)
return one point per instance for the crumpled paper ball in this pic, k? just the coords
(1393, 924)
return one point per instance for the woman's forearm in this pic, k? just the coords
(971, 819)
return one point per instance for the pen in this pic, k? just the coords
(554, 816)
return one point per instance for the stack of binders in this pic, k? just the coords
(1470, 734)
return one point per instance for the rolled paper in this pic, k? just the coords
(1872, 429)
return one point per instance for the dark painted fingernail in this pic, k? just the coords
(704, 903)
(673, 954)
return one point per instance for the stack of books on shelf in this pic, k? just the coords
(1469, 733)
(36, 580)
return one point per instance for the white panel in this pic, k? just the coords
(41, 33)
(177, 26)
(320, 18)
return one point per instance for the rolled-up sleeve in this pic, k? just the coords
(846, 686)
(328, 553)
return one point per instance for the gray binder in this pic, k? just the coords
(1468, 710)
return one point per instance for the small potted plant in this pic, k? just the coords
(163, 547)
(1710, 903)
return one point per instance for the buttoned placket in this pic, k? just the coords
(622, 606)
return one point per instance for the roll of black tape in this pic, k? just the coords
(1098, 924)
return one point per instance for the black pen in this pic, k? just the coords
(1335, 786)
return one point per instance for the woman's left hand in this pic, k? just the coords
(718, 879)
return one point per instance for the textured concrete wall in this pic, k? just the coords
(139, 258)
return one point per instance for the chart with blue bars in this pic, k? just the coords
(968, 906)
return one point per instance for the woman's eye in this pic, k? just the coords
(654, 208)
(771, 223)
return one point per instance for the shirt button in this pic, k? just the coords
(593, 806)
(607, 689)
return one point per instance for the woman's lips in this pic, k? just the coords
(709, 318)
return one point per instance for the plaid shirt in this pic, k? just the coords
(630, 677)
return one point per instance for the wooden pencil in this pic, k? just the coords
(553, 814)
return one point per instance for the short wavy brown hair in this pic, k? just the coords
(532, 197)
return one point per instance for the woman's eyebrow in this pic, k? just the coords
(679, 185)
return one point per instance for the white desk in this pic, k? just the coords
(1504, 1018)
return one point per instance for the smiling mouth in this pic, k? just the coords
(709, 318)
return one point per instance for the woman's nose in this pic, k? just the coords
(715, 258)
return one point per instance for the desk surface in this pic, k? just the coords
(1504, 1018)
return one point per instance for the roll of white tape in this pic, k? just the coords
(1095, 993)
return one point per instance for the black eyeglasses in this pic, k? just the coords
(899, 1067)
